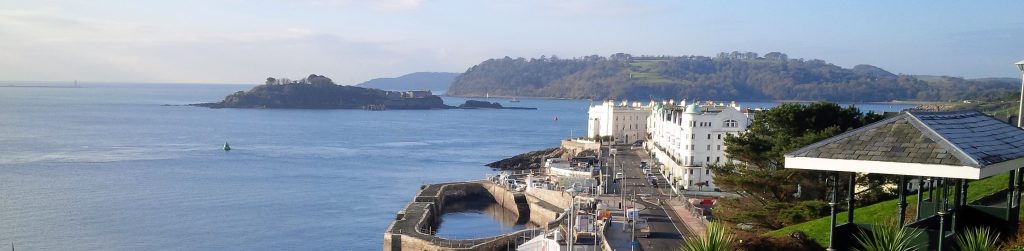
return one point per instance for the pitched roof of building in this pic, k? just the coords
(956, 139)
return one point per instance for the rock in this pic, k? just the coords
(476, 104)
(530, 160)
(480, 104)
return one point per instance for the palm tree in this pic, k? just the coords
(978, 239)
(889, 237)
(715, 238)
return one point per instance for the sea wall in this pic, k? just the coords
(412, 225)
(574, 147)
(557, 198)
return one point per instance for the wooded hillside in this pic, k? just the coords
(728, 76)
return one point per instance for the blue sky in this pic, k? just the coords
(245, 41)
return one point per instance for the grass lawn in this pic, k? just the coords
(876, 213)
(640, 70)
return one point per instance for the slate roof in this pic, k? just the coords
(957, 138)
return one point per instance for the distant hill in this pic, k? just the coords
(728, 76)
(437, 82)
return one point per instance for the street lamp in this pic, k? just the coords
(571, 239)
(1020, 66)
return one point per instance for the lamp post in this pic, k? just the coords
(571, 239)
(1020, 66)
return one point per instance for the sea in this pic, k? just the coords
(132, 167)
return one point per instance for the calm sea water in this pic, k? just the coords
(110, 167)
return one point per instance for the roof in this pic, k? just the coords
(693, 109)
(957, 144)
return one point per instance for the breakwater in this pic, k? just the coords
(413, 226)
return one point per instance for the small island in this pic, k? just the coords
(320, 92)
(476, 104)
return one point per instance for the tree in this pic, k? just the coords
(768, 192)
(715, 238)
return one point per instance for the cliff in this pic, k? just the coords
(319, 92)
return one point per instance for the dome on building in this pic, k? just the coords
(693, 109)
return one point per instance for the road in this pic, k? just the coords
(666, 230)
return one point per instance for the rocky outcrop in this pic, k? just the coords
(530, 160)
(476, 104)
(319, 92)
(480, 104)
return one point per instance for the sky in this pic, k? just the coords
(350, 41)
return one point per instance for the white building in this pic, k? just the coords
(625, 123)
(685, 138)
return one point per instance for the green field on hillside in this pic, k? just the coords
(639, 70)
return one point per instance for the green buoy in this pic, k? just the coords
(227, 147)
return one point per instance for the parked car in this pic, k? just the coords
(643, 230)
(632, 214)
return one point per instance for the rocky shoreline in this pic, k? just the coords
(529, 160)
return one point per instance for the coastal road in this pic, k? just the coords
(666, 231)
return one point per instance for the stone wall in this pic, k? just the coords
(574, 147)
(410, 229)
(557, 198)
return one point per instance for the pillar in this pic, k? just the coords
(1019, 182)
(1011, 189)
(963, 193)
(903, 200)
(920, 196)
(849, 197)
(832, 205)
(942, 215)
(957, 191)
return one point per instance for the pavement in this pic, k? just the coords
(667, 229)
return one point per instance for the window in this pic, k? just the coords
(719, 136)
(730, 124)
(709, 137)
(691, 182)
(709, 159)
(717, 159)
(708, 171)
(693, 136)
(709, 147)
(719, 147)
(691, 171)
